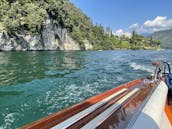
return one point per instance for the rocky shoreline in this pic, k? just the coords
(50, 38)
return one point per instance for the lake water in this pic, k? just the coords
(35, 84)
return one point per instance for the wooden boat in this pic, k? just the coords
(139, 104)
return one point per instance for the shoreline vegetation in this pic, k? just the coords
(20, 18)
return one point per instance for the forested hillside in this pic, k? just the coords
(27, 17)
(165, 37)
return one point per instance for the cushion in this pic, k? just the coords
(168, 81)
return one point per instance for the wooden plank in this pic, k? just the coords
(65, 124)
(107, 113)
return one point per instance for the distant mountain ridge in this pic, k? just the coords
(165, 38)
(146, 34)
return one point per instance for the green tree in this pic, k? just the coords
(133, 43)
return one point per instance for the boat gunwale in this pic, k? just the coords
(140, 109)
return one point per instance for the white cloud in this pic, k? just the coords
(150, 26)
(134, 26)
(121, 32)
(159, 21)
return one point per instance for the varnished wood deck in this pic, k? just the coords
(168, 111)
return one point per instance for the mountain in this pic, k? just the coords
(165, 38)
(146, 34)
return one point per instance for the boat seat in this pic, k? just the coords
(168, 81)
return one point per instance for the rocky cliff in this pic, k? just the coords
(51, 37)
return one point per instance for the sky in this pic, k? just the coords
(145, 16)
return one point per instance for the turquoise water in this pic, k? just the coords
(35, 84)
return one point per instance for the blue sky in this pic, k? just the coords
(146, 16)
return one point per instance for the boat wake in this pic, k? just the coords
(9, 121)
(141, 67)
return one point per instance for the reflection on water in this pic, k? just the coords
(35, 84)
(3, 93)
(21, 67)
